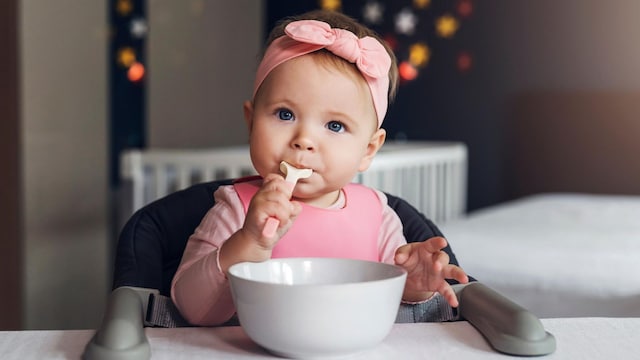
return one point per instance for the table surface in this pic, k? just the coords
(577, 338)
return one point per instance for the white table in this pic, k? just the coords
(577, 338)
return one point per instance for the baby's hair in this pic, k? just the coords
(339, 20)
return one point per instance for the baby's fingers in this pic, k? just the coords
(403, 253)
(449, 294)
(456, 273)
(440, 261)
(434, 244)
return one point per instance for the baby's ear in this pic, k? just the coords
(375, 143)
(247, 107)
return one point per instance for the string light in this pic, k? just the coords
(392, 41)
(138, 28)
(406, 22)
(421, 4)
(407, 71)
(124, 7)
(419, 54)
(446, 26)
(126, 56)
(464, 8)
(136, 72)
(407, 35)
(333, 5)
(464, 62)
(372, 12)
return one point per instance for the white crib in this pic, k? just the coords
(429, 175)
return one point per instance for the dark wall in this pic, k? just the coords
(10, 221)
(580, 52)
(554, 98)
(577, 141)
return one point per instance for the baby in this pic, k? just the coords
(320, 97)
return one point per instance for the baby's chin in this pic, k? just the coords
(324, 198)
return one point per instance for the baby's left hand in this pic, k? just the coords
(427, 268)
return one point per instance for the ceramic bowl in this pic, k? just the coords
(316, 307)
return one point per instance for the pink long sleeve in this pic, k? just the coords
(391, 236)
(201, 291)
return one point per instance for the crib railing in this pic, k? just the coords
(429, 175)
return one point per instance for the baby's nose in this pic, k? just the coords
(303, 145)
(302, 141)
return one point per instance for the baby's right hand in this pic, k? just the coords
(249, 243)
(273, 200)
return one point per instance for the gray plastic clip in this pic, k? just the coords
(121, 334)
(507, 326)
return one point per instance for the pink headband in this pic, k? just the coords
(306, 36)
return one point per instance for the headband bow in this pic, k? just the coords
(306, 36)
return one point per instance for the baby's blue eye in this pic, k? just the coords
(335, 126)
(285, 114)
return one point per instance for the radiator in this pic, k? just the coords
(429, 175)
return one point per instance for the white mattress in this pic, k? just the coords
(558, 255)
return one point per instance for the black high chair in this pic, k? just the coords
(150, 249)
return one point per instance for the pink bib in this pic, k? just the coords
(350, 232)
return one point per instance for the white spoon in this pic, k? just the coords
(292, 175)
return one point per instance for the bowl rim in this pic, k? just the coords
(401, 271)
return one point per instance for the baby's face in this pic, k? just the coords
(313, 115)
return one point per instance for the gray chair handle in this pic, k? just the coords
(121, 334)
(508, 327)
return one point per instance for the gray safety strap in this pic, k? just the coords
(158, 310)
(161, 312)
(437, 309)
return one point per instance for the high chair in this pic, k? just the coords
(150, 249)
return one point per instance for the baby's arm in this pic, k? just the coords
(428, 268)
(200, 288)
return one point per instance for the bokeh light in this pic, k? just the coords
(136, 72)
(126, 56)
(464, 62)
(407, 71)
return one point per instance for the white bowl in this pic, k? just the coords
(316, 307)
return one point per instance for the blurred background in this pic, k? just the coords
(545, 94)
